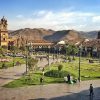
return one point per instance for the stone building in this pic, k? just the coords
(5, 40)
(98, 35)
(3, 32)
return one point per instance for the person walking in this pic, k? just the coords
(91, 90)
(68, 77)
(41, 80)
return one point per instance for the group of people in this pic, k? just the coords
(70, 79)
(90, 89)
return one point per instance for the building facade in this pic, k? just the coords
(3, 32)
(98, 35)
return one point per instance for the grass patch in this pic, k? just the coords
(10, 63)
(35, 80)
(89, 71)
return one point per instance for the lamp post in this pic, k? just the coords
(79, 66)
(99, 56)
(66, 51)
(26, 57)
(49, 55)
(13, 54)
(13, 57)
(79, 78)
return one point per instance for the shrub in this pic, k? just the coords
(56, 73)
(4, 65)
(60, 67)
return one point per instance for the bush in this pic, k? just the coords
(60, 67)
(4, 65)
(69, 58)
(56, 73)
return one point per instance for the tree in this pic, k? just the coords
(74, 51)
(32, 63)
(59, 69)
(13, 51)
(2, 51)
(68, 50)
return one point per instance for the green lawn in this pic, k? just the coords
(10, 63)
(88, 71)
(35, 80)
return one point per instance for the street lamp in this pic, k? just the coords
(79, 78)
(13, 57)
(48, 55)
(26, 57)
(99, 56)
(66, 51)
(53, 53)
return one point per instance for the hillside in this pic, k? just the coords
(32, 34)
(90, 35)
(50, 35)
(66, 35)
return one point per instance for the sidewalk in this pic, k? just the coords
(64, 91)
(9, 74)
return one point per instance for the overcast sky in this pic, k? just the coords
(83, 15)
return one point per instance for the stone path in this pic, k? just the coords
(9, 74)
(79, 91)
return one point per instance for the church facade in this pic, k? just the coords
(3, 32)
(5, 40)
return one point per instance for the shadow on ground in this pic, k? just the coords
(83, 95)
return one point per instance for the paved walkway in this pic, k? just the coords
(44, 92)
(52, 92)
(9, 74)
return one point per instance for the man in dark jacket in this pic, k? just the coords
(91, 90)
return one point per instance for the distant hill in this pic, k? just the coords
(51, 35)
(90, 35)
(66, 35)
(32, 34)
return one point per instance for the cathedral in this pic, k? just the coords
(5, 40)
(3, 32)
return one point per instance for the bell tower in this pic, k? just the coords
(3, 32)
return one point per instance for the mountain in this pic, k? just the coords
(66, 35)
(90, 35)
(31, 34)
(51, 35)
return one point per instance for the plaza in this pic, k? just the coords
(49, 50)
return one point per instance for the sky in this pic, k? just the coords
(81, 15)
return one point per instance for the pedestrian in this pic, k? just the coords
(41, 80)
(91, 90)
(68, 77)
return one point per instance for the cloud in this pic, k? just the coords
(56, 20)
(96, 19)
(19, 16)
